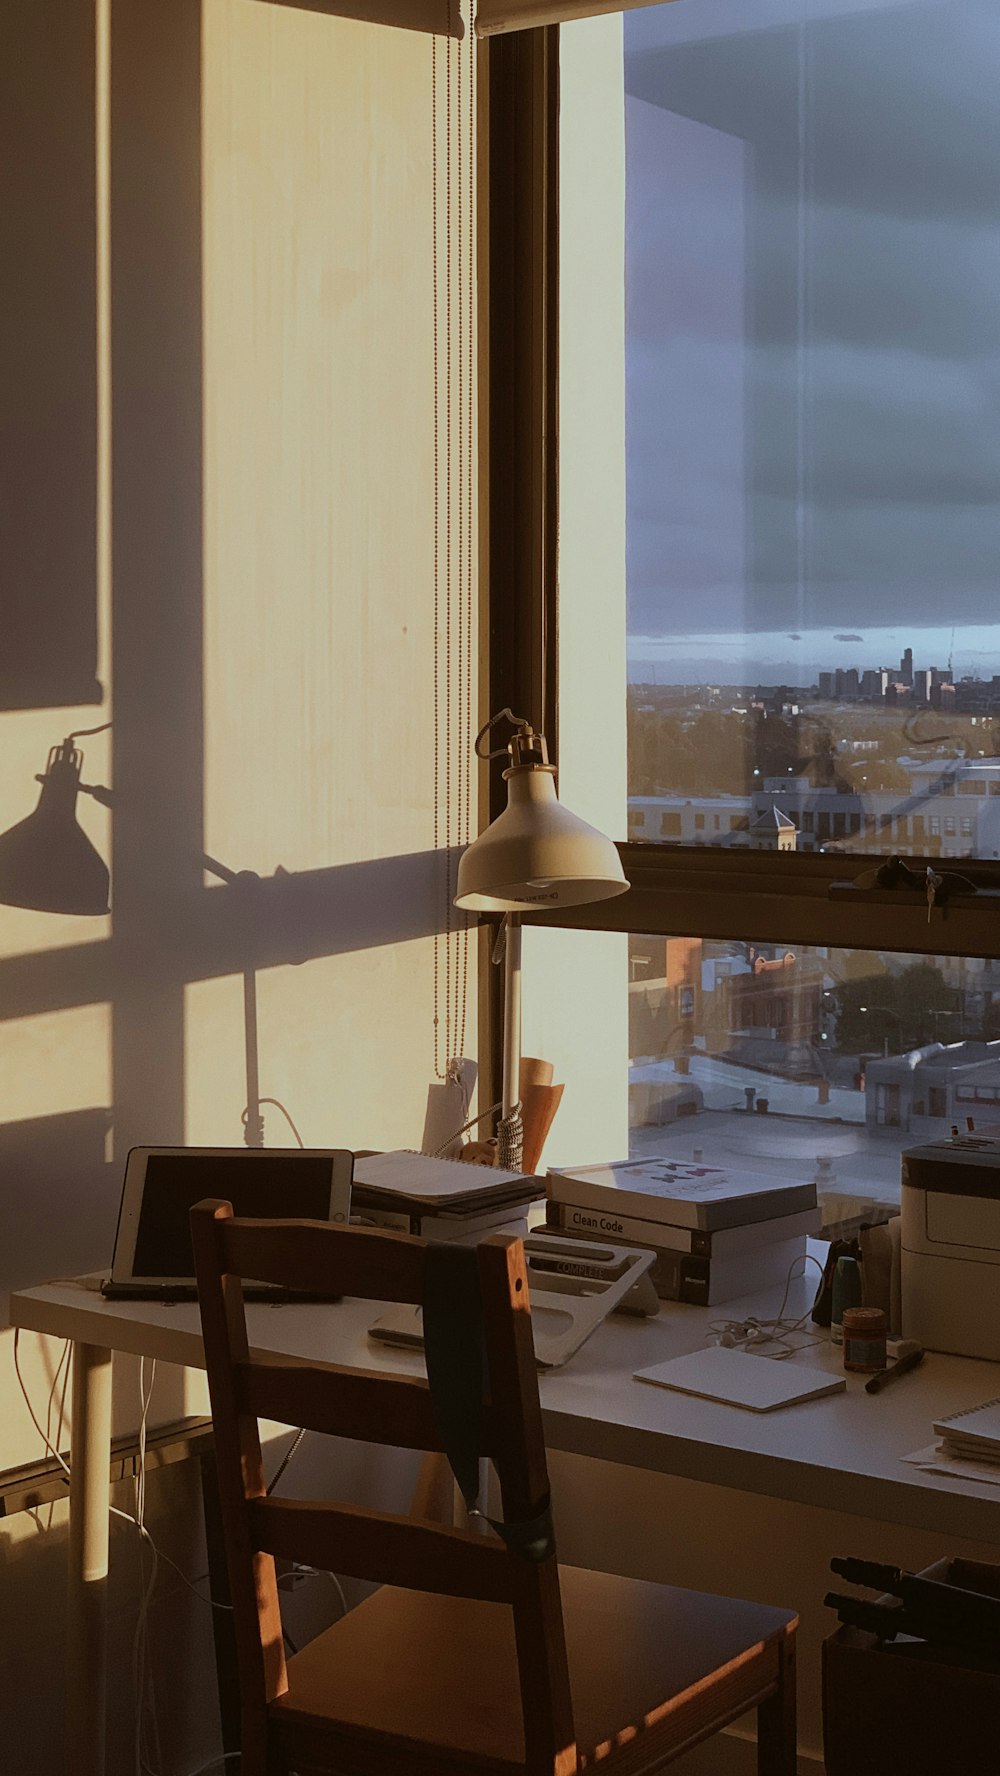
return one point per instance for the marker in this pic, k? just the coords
(901, 1367)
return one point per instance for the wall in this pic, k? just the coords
(252, 504)
(576, 982)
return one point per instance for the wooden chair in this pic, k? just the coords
(472, 1659)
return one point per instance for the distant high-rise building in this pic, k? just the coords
(922, 682)
(906, 667)
(847, 684)
(873, 685)
(826, 685)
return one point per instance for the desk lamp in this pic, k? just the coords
(535, 855)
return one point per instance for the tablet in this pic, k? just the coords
(162, 1185)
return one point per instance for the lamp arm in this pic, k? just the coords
(519, 722)
(224, 873)
(100, 792)
(510, 1132)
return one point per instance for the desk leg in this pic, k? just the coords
(90, 1459)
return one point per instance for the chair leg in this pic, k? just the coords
(776, 1752)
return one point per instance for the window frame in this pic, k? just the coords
(676, 890)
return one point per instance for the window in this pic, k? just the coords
(807, 273)
(788, 1052)
(780, 480)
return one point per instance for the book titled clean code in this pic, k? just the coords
(725, 1242)
(681, 1193)
(704, 1281)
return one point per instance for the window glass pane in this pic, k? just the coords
(808, 1062)
(812, 450)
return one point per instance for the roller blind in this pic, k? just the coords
(494, 16)
(444, 17)
(441, 18)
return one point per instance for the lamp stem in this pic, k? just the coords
(254, 1131)
(512, 1016)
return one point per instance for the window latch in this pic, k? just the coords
(895, 874)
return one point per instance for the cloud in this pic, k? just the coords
(795, 638)
(832, 451)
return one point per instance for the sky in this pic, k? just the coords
(813, 337)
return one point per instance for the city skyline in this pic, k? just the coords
(797, 658)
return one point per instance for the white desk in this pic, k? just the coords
(841, 1452)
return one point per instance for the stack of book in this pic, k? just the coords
(440, 1198)
(717, 1234)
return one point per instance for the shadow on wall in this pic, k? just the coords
(58, 1193)
(48, 362)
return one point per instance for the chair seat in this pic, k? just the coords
(427, 1681)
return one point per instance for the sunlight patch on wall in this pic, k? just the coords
(56, 1062)
(319, 472)
(333, 1048)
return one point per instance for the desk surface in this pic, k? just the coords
(840, 1453)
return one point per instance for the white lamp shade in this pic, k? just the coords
(537, 854)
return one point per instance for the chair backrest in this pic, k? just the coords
(394, 1410)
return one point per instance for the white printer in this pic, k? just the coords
(950, 1245)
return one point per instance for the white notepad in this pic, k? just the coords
(760, 1384)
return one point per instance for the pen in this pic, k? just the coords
(878, 1382)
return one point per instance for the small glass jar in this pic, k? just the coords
(864, 1339)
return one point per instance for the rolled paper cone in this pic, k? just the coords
(538, 1107)
(534, 1072)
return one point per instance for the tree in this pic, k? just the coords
(901, 1011)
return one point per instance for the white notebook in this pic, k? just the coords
(759, 1384)
(976, 1429)
(435, 1180)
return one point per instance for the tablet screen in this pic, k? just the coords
(292, 1187)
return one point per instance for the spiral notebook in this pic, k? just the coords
(975, 1432)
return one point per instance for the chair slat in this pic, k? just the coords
(394, 1410)
(367, 1544)
(359, 1261)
